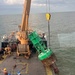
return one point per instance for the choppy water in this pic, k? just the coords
(62, 39)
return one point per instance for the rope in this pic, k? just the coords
(49, 32)
(47, 6)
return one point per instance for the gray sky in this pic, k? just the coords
(37, 6)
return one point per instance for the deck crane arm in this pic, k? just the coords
(25, 17)
(22, 34)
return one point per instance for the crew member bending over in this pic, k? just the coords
(7, 50)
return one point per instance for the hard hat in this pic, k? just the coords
(5, 69)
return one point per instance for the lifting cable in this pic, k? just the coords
(47, 6)
(48, 16)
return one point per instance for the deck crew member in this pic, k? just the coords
(4, 71)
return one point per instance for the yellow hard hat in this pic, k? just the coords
(5, 69)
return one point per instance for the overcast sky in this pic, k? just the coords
(37, 6)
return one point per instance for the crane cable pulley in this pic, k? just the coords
(48, 16)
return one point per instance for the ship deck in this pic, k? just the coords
(32, 66)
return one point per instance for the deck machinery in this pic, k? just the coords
(23, 33)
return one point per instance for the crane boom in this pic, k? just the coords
(23, 33)
(26, 11)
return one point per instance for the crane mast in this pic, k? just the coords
(25, 17)
(23, 47)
